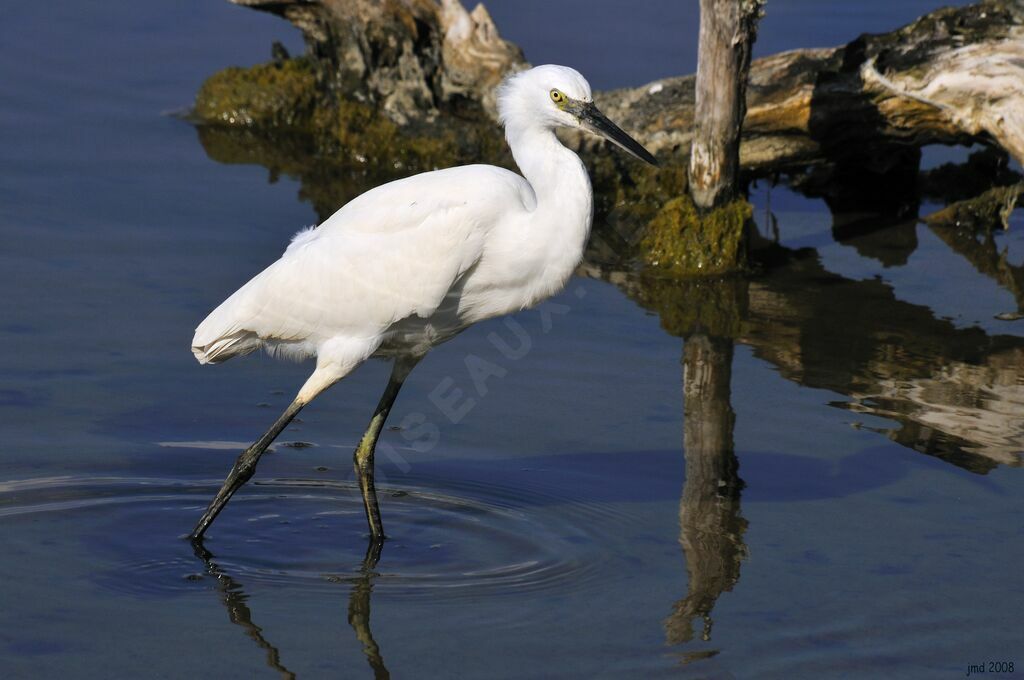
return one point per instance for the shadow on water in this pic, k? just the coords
(955, 393)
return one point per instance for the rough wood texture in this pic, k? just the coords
(728, 29)
(954, 76)
(412, 58)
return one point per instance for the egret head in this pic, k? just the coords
(558, 96)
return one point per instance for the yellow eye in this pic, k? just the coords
(557, 97)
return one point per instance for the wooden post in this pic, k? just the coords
(728, 29)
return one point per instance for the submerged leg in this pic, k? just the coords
(245, 465)
(363, 457)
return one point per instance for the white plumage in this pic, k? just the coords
(409, 264)
(389, 257)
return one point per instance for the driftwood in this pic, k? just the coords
(844, 123)
(989, 209)
(954, 76)
(413, 59)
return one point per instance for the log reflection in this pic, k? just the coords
(710, 524)
(955, 393)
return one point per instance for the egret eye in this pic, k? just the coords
(557, 97)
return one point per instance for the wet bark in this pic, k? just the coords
(728, 29)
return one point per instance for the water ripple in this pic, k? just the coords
(466, 539)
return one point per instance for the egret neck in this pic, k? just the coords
(564, 199)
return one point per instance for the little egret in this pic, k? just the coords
(411, 263)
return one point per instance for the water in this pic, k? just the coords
(858, 517)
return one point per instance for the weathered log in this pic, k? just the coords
(728, 29)
(989, 210)
(954, 76)
(413, 59)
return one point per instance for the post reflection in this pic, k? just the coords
(234, 598)
(710, 525)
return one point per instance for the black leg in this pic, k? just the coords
(243, 470)
(363, 457)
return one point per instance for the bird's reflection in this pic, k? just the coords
(234, 598)
(359, 611)
(710, 525)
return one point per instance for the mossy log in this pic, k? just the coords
(685, 242)
(984, 212)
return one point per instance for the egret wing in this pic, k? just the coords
(391, 253)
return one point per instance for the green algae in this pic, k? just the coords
(283, 99)
(684, 242)
(277, 94)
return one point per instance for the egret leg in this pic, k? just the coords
(363, 457)
(244, 468)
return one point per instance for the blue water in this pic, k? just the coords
(877, 404)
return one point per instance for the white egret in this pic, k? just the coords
(411, 263)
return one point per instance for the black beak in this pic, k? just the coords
(595, 121)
